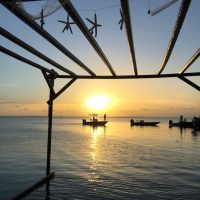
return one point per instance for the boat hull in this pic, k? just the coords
(144, 123)
(94, 123)
(182, 124)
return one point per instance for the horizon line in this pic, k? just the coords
(66, 116)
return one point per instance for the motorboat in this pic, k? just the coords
(93, 121)
(143, 123)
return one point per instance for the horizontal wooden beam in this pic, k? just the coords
(34, 187)
(178, 25)
(26, 19)
(145, 76)
(29, 48)
(25, 60)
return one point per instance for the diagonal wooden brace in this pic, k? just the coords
(62, 90)
(190, 82)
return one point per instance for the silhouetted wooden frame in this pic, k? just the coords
(51, 75)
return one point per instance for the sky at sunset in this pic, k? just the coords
(24, 92)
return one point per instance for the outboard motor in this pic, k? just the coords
(170, 123)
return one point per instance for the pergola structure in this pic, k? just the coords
(51, 75)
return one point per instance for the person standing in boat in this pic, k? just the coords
(104, 117)
(181, 118)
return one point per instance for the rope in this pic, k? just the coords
(98, 9)
(51, 6)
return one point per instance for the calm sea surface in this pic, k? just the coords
(113, 162)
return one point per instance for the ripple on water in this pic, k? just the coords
(116, 162)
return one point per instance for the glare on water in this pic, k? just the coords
(119, 161)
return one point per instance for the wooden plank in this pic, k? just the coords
(145, 76)
(50, 116)
(34, 186)
(178, 25)
(190, 82)
(190, 62)
(127, 21)
(69, 8)
(26, 19)
(29, 48)
(25, 60)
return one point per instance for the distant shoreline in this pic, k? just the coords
(78, 117)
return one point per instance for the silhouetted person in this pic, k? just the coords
(181, 118)
(104, 117)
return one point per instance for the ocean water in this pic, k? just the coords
(113, 162)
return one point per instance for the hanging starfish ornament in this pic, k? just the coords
(93, 29)
(42, 23)
(121, 21)
(67, 24)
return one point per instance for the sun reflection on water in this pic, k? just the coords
(96, 133)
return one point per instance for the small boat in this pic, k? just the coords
(173, 124)
(196, 123)
(94, 121)
(182, 124)
(143, 123)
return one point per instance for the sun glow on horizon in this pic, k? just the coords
(97, 103)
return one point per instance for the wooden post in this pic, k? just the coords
(50, 113)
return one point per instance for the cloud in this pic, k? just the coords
(23, 110)
(20, 102)
(44, 111)
(6, 86)
(2, 109)
(191, 108)
(145, 109)
(6, 102)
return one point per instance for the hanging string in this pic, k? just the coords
(84, 10)
(98, 9)
(52, 6)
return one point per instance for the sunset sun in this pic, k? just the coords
(97, 102)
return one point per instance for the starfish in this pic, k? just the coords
(121, 21)
(67, 24)
(42, 19)
(93, 29)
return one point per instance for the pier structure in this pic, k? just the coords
(51, 75)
